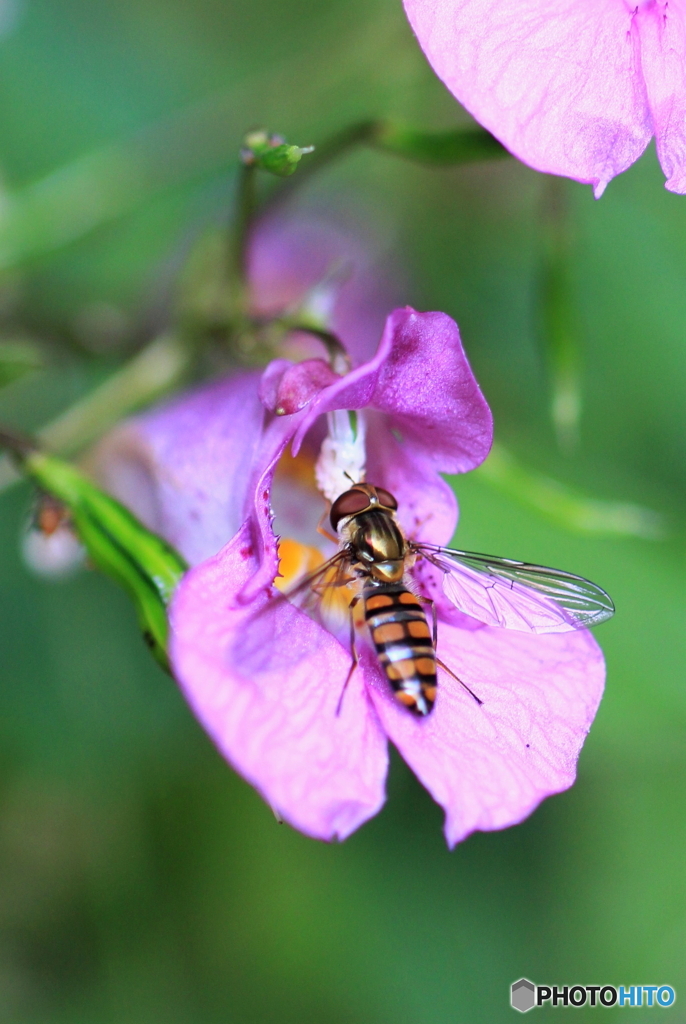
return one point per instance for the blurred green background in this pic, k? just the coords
(140, 879)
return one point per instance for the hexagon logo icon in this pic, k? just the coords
(523, 995)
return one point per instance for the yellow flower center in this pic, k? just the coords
(295, 561)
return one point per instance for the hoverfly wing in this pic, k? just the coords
(314, 593)
(276, 621)
(517, 595)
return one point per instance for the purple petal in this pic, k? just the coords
(270, 380)
(427, 389)
(558, 83)
(267, 690)
(185, 468)
(427, 507)
(662, 31)
(435, 418)
(290, 255)
(489, 766)
(287, 388)
(421, 379)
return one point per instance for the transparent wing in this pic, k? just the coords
(322, 594)
(516, 595)
(266, 643)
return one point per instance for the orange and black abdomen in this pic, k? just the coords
(402, 638)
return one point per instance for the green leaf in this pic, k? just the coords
(18, 357)
(117, 543)
(573, 511)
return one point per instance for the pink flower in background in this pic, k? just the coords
(182, 468)
(572, 87)
(265, 679)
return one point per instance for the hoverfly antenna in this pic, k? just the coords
(346, 473)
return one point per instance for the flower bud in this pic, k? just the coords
(271, 153)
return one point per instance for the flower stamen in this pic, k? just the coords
(342, 458)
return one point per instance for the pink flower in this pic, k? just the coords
(205, 471)
(572, 87)
(265, 679)
(182, 468)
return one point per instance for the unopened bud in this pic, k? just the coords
(56, 555)
(271, 153)
(49, 545)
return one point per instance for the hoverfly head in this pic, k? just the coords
(358, 499)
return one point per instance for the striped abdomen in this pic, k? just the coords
(403, 643)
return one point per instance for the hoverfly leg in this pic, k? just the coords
(354, 654)
(434, 619)
(354, 665)
(322, 529)
(457, 678)
(321, 588)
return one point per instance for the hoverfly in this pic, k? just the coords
(377, 560)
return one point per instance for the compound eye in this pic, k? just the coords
(348, 504)
(386, 498)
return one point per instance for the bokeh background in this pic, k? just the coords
(140, 879)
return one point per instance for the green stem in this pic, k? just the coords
(559, 322)
(438, 149)
(441, 148)
(336, 350)
(119, 545)
(153, 372)
(245, 209)
(146, 377)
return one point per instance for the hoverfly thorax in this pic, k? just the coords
(378, 544)
(364, 517)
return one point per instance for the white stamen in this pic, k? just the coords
(342, 458)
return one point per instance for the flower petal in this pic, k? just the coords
(184, 468)
(559, 83)
(421, 379)
(267, 689)
(426, 387)
(662, 32)
(435, 417)
(287, 388)
(427, 507)
(290, 255)
(489, 766)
